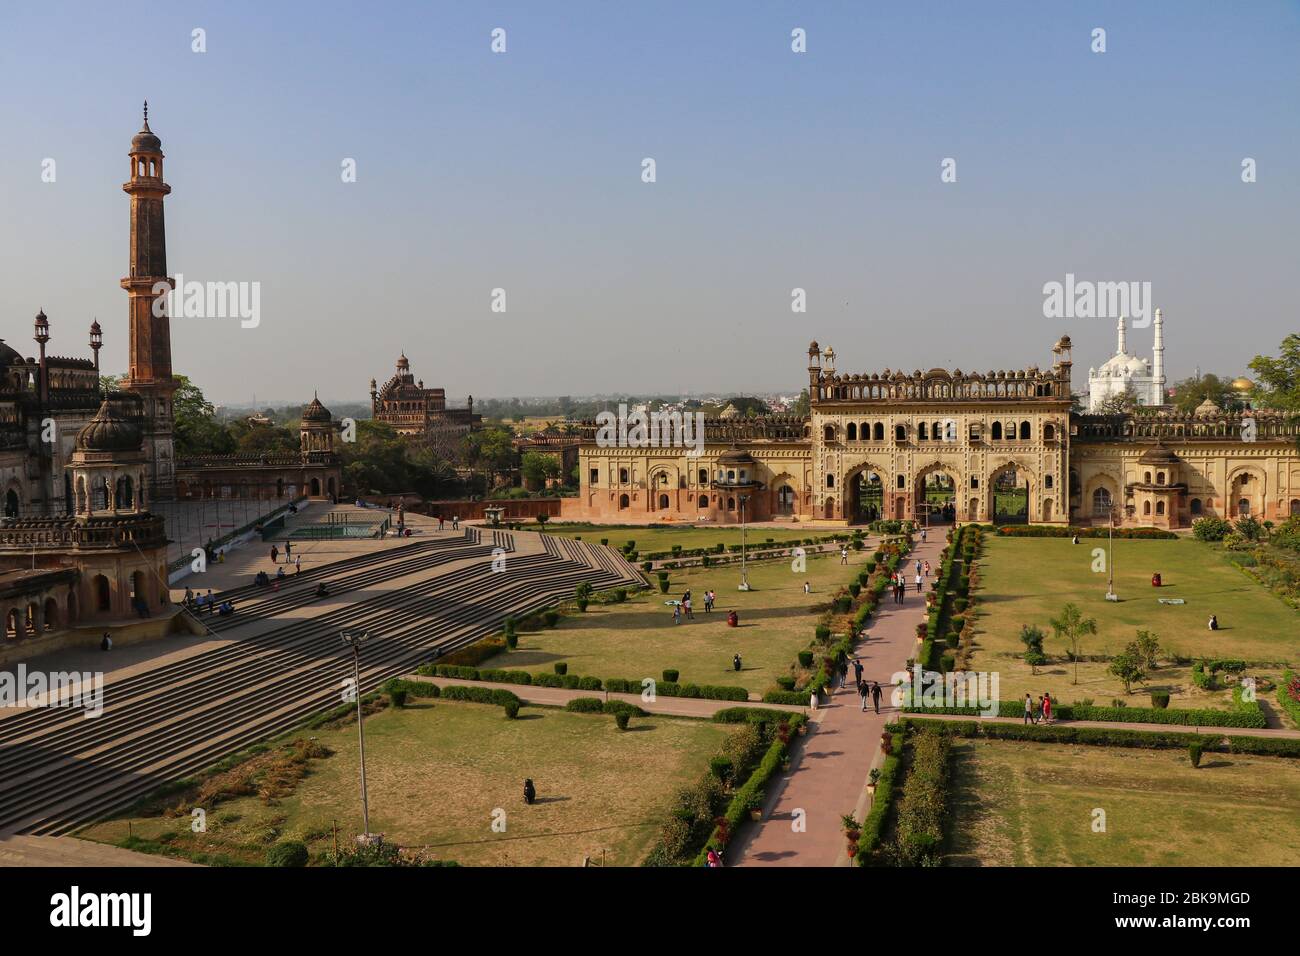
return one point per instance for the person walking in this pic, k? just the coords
(844, 555)
(107, 643)
(1029, 709)
(455, 522)
(807, 588)
(918, 582)
(288, 549)
(1047, 707)
(686, 605)
(677, 613)
(857, 670)
(297, 564)
(927, 569)
(875, 694)
(923, 532)
(275, 554)
(735, 663)
(864, 693)
(442, 523)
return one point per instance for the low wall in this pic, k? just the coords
(516, 509)
(87, 636)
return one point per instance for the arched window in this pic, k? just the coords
(1024, 431)
(1101, 503)
(1295, 506)
(902, 481)
(997, 431)
(663, 502)
(623, 502)
(830, 481)
(1049, 433)
(731, 504)
(103, 593)
(1160, 477)
(921, 433)
(1047, 481)
(1160, 507)
(704, 501)
(829, 433)
(1243, 507)
(11, 504)
(704, 476)
(1146, 508)
(878, 431)
(852, 432)
(1195, 506)
(622, 476)
(1146, 477)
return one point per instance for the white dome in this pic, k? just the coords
(1124, 366)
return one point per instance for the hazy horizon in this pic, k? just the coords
(522, 170)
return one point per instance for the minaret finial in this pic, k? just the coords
(146, 114)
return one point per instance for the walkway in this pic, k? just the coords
(70, 852)
(559, 696)
(829, 769)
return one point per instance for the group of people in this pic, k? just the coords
(288, 553)
(1038, 710)
(455, 523)
(868, 690)
(207, 603)
(685, 608)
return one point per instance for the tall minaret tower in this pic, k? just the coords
(1158, 361)
(1120, 346)
(150, 373)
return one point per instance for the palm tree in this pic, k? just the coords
(1072, 626)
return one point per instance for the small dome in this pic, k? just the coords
(1206, 409)
(736, 456)
(1158, 454)
(1242, 384)
(316, 412)
(109, 431)
(9, 356)
(145, 141)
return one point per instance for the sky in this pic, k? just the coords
(774, 170)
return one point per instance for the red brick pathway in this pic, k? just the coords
(829, 770)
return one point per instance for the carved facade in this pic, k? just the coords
(1001, 447)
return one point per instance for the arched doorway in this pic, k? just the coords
(139, 595)
(663, 502)
(1010, 492)
(936, 496)
(11, 504)
(51, 614)
(13, 624)
(72, 608)
(1102, 502)
(315, 487)
(866, 497)
(785, 500)
(103, 593)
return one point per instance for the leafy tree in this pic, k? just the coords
(1146, 648)
(1032, 637)
(1279, 378)
(1190, 392)
(1072, 626)
(1120, 403)
(490, 449)
(802, 405)
(1129, 668)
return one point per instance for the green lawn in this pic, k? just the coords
(663, 539)
(1028, 580)
(638, 639)
(437, 770)
(1030, 804)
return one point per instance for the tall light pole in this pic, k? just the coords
(744, 572)
(354, 639)
(1110, 555)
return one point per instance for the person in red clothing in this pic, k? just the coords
(1047, 707)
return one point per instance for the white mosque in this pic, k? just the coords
(1124, 371)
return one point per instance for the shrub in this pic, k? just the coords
(1160, 699)
(551, 618)
(561, 668)
(805, 658)
(288, 853)
(582, 604)
(823, 632)
(621, 719)
(512, 641)
(670, 675)
(585, 705)
(512, 709)
(785, 682)
(1194, 752)
(663, 585)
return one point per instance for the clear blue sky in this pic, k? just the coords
(775, 170)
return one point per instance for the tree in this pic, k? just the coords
(1072, 626)
(197, 430)
(1146, 647)
(802, 405)
(1279, 378)
(1120, 403)
(1032, 637)
(1190, 392)
(1128, 667)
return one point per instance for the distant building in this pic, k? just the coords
(413, 410)
(1122, 372)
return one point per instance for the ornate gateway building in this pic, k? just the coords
(1002, 447)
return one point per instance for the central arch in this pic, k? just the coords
(1009, 495)
(864, 498)
(934, 491)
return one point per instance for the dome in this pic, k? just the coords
(1124, 366)
(1206, 409)
(109, 431)
(9, 356)
(1243, 384)
(145, 141)
(1158, 454)
(736, 456)
(316, 412)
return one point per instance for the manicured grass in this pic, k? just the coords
(1030, 804)
(1029, 580)
(638, 639)
(662, 539)
(436, 771)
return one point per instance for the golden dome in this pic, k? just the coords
(1242, 384)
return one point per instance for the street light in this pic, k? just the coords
(744, 572)
(1110, 555)
(354, 639)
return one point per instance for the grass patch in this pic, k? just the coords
(437, 771)
(1021, 804)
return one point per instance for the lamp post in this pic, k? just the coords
(1110, 555)
(744, 571)
(354, 639)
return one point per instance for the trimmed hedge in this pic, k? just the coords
(1056, 531)
(1288, 695)
(1246, 714)
(882, 801)
(479, 695)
